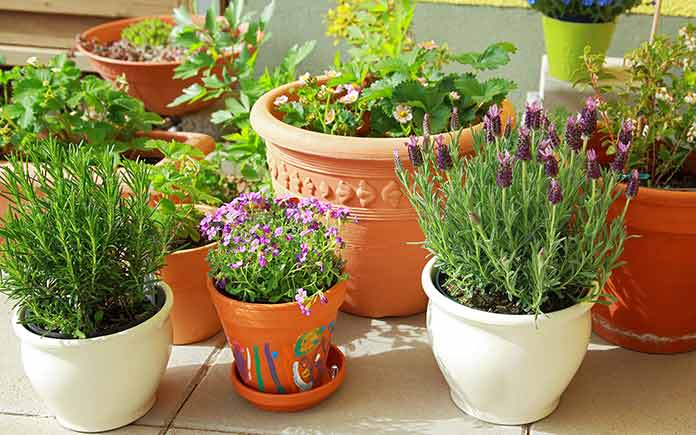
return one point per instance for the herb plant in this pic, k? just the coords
(522, 227)
(659, 99)
(584, 11)
(55, 100)
(79, 255)
(150, 32)
(276, 250)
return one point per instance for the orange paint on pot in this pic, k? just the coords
(655, 290)
(151, 82)
(357, 172)
(276, 348)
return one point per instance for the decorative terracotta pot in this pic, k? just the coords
(276, 348)
(186, 271)
(655, 291)
(151, 82)
(357, 172)
(502, 368)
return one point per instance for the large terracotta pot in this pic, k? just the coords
(186, 271)
(276, 348)
(356, 172)
(151, 82)
(655, 291)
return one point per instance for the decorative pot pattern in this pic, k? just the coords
(655, 302)
(383, 257)
(505, 369)
(276, 348)
(102, 383)
(151, 82)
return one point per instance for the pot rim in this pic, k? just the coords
(656, 196)
(287, 136)
(486, 318)
(338, 289)
(206, 209)
(26, 336)
(124, 22)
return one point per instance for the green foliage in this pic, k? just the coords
(509, 248)
(79, 255)
(56, 100)
(601, 11)
(185, 177)
(659, 96)
(150, 32)
(272, 248)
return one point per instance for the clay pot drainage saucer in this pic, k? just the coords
(296, 401)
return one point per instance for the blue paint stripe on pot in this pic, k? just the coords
(271, 368)
(257, 363)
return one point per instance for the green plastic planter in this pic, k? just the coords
(566, 41)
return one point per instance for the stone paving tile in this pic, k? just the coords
(26, 425)
(392, 385)
(618, 391)
(179, 431)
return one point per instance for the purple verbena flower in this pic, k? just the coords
(262, 260)
(301, 295)
(504, 176)
(593, 171)
(236, 265)
(554, 195)
(302, 256)
(323, 299)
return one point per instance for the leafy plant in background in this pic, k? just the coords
(79, 255)
(522, 227)
(584, 11)
(276, 250)
(56, 100)
(150, 32)
(183, 180)
(659, 99)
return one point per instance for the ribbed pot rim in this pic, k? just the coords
(650, 196)
(287, 136)
(486, 318)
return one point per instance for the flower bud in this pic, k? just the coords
(633, 185)
(555, 195)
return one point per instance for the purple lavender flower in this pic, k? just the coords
(555, 195)
(221, 284)
(488, 130)
(550, 162)
(552, 136)
(504, 176)
(494, 117)
(588, 118)
(633, 185)
(593, 171)
(397, 161)
(573, 134)
(524, 144)
(542, 149)
(443, 157)
(626, 133)
(508, 128)
(454, 119)
(414, 152)
(426, 129)
(617, 165)
(532, 115)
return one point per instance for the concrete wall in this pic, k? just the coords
(463, 28)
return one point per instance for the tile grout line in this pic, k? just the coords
(197, 379)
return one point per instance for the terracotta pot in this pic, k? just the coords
(186, 271)
(356, 172)
(655, 291)
(151, 82)
(276, 348)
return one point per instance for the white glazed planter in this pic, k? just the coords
(505, 369)
(98, 384)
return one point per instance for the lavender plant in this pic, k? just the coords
(276, 250)
(523, 226)
(584, 11)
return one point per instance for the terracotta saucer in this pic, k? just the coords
(296, 401)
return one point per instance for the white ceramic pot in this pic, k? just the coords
(98, 384)
(505, 369)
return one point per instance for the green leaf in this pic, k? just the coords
(191, 94)
(210, 20)
(494, 56)
(267, 12)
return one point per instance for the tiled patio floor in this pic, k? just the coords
(392, 386)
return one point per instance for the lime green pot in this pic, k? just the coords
(566, 41)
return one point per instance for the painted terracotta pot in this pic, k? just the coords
(151, 82)
(655, 290)
(356, 172)
(276, 348)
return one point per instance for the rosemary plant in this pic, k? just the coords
(522, 227)
(78, 255)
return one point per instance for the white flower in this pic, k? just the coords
(683, 32)
(351, 96)
(330, 73)
(663, 95)
(279, 101)
(403, 114)
(304, 78)
(691, 134)
(646, 129)
(690, 98)
(686, 63)
(33, 61)
(330, 116)
(454, 95)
